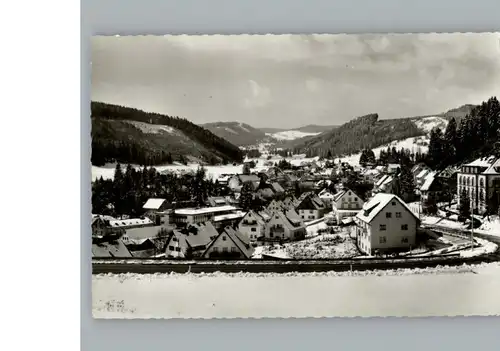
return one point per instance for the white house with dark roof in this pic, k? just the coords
(480, 179)
(309, 206)
(346, 203)
(284, 226)
(385, 223)
(252, 225)
(195, 240)
(229, 244)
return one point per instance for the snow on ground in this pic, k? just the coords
(428, 123)
(414, 144)
(148, 128)
(491, 226)
(327, 245)
(441, 291)
(290, 135)
(487, 247)
(432, 220)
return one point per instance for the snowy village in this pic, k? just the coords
(420, 197)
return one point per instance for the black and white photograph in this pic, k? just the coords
(293, 176)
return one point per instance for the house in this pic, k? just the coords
(229, 244)
(109, 248)
(421, 176)
(228, 220)
(265, 193)
(191, 242)
(236, 182)
(275, 205)
(433, 188)
(309, 206)
(480, 179)
(154, 207)
(327, 197)
(384, 184)
(131, 223)
(448, 179)
(393, 168)
(346, 204)
(385, 223)
(215, 201)
(278, 189)
(101, 227)
(284, 226)
(185, 216)
(253, 225)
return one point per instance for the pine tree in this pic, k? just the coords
(430, 206)
(407, 183)
(246, 196)
(450, 143)
(435, 148)
(464, 208)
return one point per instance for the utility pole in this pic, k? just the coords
(472, 225)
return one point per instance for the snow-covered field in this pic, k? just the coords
(107, 172)
(290, 135)
(491, 226)
(443, 291)
(428, 123)
(413, 144)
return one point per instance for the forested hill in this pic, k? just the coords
(365, 132)
(128, 135)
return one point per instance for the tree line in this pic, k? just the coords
(130, 188)
(476, 135)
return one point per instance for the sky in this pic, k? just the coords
(287, 81)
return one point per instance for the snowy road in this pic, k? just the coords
(431, 292)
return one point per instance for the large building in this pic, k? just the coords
(480, 179)
(186, 216)
(385, 223)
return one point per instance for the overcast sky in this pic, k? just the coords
(293, 80)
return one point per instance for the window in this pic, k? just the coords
(224, 238)
(388, 215)
(356, 199)
(382, 240)
(271, 234)
(215, 249)
(178, 249)
(398, 214)
(233, 249)
(253, 229)
(171, 248)
(302, 217)
(224, 249)
(404, 226)
(393, 203)
(404, 240)
(382, 227)
(175, 239)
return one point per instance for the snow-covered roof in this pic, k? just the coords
(422, 173)
(482, 162)
(130, 222)
(428, 182)
(204, 210)
(377, 204)
(153, 204)
(229, 216)
(494, 168)
(381, 180)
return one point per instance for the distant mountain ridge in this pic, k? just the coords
(128, 135)
(237, 133)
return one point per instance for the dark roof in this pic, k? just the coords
(106, 249)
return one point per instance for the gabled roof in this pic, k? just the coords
(237, 238)
(203, 236)
(106, 249)
(258, 217)
(494, 168)
(422, 173)
(153, 204)
(376, 204)
(482, 162)
(248, 178)
(381, 180)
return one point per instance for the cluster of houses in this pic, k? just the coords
(221, 229)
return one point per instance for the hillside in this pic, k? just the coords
(310, 128)
(237, 133)
(128, 135)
